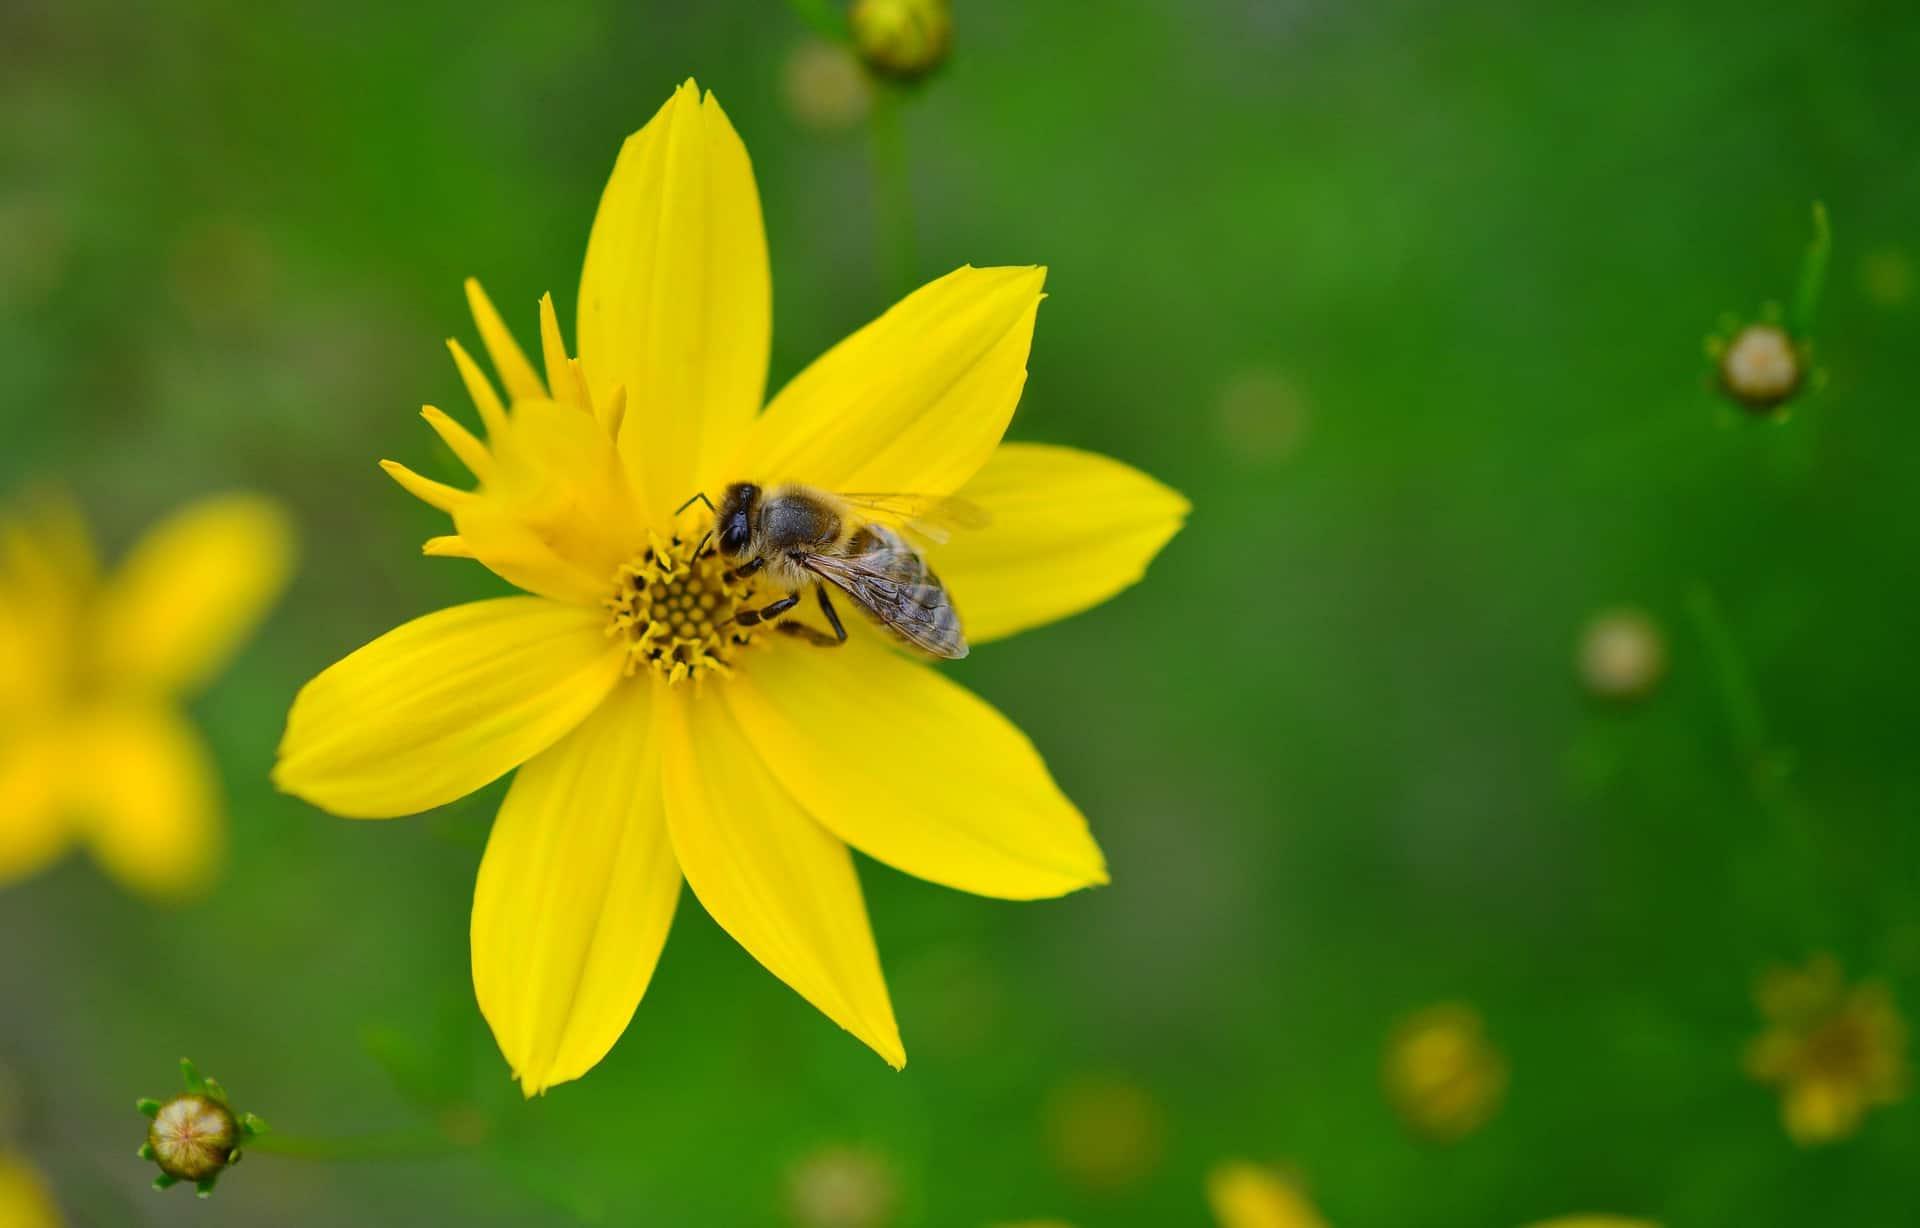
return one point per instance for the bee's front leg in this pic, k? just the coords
(748, 568)
(753, 618)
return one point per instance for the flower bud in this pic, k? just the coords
(906, 39)
(1623, 655)
(196, 1135)
(1761, 367)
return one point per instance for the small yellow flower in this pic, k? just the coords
(657, 740)
(1442, 1075)
(1247, 1195)
(25, 1201)
(1105, 1133)
(1834, 1051)
(93, 743)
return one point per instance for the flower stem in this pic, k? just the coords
(893, 197)
(1813, 275)
(387, 1145)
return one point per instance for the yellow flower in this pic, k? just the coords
(1245, 1195)
(656, 740)
(1833, 1051)
(1441, 1074)
(93, 743)
(25, 1201)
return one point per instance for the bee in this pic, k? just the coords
(800, 537)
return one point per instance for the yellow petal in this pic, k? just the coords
(555, 517)
(436, 708)
(193, 589)
(915, 401)
(771, 876)
(675, 298)
(470, 451)
(493, 414)
(945, 787)
(25, 1201)
(563, 373)
(1069, 529)
(49, 577)
(145, 793)
(33, 827)
(575, 894)
(1245, 1195)
(509, 363)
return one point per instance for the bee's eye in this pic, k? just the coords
(734, 534)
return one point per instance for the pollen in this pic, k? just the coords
(674, 606)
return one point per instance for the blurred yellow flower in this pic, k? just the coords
(25, 1201)
(1104, 1132)
(1442, 1075)
(93, 742)
(1834, 1051)
(656, 737)
(1246, 1195)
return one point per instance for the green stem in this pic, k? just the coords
(1736, 684)
(1764, 764)
(893, 196)
(388, 1145)
(1813, 275)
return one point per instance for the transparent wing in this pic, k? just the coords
(933, 517)
(889, 580)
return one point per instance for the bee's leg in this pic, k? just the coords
(833, 616)
(812, 635)
(748, 568)
(765, 614)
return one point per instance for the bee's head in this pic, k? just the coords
(733, 523)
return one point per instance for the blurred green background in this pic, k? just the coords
(1407, 297)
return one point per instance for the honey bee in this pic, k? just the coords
(800, 537)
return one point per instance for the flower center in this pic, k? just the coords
(674, 611)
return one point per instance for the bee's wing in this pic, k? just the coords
(892, 583)
(933, 517)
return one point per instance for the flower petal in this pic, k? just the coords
(940, 785)
(675, 300)
(25, 1201)
(192, 589)
(1069, 529)
(556, 516)
(771, 876)
(575, 895)
(33, 826)
(144, 790)
(436, 708)
(915, 401)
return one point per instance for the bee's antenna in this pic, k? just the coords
(699, 496)
(703, 543)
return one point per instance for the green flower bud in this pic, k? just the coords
(196, 1135)
(906, 39)
(1761, 367)
(193, 1137)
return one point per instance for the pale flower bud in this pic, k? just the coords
(902, 38)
